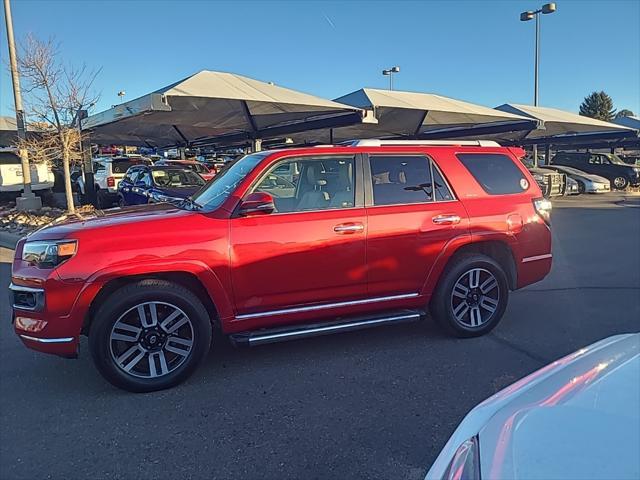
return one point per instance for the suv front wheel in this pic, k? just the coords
(149, 335)
(471, 296)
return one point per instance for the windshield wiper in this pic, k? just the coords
(190, 204)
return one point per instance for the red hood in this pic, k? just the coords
(107, 218)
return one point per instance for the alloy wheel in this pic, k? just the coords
(151, 339)
(475, 297)
(620, 182)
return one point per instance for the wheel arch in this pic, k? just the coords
(498, 250)
(185, 279)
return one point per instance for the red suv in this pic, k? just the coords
(287, 244)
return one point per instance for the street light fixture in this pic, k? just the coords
(389, 72)
(525, 17)
(121, 94)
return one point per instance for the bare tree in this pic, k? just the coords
(54, 94)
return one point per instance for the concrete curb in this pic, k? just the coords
(9, 240)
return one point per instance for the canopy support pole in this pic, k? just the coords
(184, 139)
(419, 127)
(256, 144)
(547, 154)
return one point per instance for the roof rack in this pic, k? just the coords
(381, 143)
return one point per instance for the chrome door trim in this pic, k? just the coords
(536, 257)
(47, 340)
(312, 308)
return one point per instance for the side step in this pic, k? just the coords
(293, 332)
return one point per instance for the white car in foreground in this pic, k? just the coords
(11, 173)
(577, 418)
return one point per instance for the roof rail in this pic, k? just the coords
(381, 143)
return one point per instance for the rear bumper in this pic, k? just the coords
(18, 187)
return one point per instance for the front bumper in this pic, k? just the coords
(597, 188)
(45, 313)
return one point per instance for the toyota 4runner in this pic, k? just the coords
(371, 233)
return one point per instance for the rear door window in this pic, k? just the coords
(406, 179)
(496, 173)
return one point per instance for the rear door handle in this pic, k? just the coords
(347, 228)
(446, 219)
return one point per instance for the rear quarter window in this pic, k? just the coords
(497, 174)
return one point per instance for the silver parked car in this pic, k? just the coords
(578, 418)
(587, 182)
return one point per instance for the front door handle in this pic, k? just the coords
(446, 219)
(347, 228)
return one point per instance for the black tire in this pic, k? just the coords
(121, 202)
(124, 300)
(442, 303)
(620, 182)
(101, 199)
(581, 187)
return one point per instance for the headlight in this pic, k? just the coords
(465, 464)
(539, 178)
(49, 254)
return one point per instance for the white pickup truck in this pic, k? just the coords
(11, 173)
(108, 171)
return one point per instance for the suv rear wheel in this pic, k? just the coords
(149, 335)
(471, 297)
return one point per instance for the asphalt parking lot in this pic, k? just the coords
(371, 404)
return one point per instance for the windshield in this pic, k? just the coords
(226, 182)
(173, 177)
(615, 159)
(196, 167)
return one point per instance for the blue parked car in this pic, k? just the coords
(144, 184)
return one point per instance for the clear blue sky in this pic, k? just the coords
(477, 51)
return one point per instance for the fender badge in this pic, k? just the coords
(524, 183)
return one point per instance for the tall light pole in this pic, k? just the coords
(27, 201)
(525, 17)
(389, 72)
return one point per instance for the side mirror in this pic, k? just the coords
(257, 203)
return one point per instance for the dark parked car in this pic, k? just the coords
(144, 184)
(606, 165)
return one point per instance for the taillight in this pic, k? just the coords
(543, 209)
(111, 182)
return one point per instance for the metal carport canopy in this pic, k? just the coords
(561, 127)
(215, 107)
(402, 114)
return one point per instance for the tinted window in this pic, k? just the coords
(400, 179)
(442, 191)
(496, 173)
(320, 183)
(144, 177)
(173, 177)
(9, 158)
(121, 166)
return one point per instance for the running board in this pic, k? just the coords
(293, 332)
